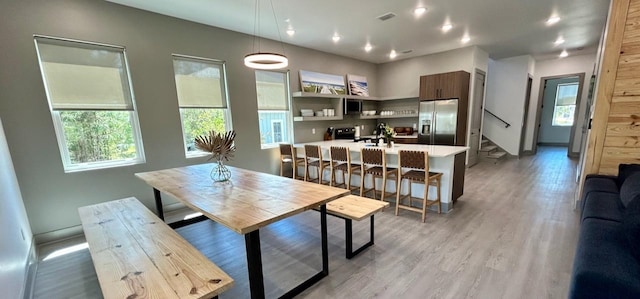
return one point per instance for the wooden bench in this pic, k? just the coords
(136, 255)
(352, 207)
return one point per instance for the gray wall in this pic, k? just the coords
(15, 235)
(52, 197)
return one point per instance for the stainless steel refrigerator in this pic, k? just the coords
(438, 121)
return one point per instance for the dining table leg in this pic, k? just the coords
(159, 208)
(325, 259)
(254, 264)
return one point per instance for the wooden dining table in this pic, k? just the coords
(247, 202)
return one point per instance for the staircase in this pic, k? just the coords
(491, 151)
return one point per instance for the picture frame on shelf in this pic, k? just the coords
(314, 82)
(358, 85)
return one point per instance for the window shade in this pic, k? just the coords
(199, 83)
(272, 90)
(566, 94)
(84, 76)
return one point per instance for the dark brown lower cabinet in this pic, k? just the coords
(459, 168)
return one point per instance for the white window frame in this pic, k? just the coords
(58, 126)
(555, 104)
(287, 138)
(228, 124)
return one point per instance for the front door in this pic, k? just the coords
(559, 102)
(476, 118)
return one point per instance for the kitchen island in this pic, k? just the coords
(448, 160)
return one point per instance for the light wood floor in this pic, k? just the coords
(512, 235)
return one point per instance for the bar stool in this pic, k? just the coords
(313, 157)
(418, 164)
(288, 155)
(374, 162)
(341, 160)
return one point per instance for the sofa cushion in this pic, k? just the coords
(603, 205)
(625, 171)
(603, 266)
(599, 183)
(630, 189)
(631, 224)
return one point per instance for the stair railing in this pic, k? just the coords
(506, 124)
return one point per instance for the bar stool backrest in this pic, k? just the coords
(312, 151)
(414, 159)
(286, 150)
(340, 154)
(373, 156)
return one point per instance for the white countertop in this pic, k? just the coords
(433, 150)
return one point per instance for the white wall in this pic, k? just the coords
(506, 90)
(558, 67)
(15, 235)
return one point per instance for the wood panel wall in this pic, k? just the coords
(615, 134)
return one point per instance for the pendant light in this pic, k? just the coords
(264, 60)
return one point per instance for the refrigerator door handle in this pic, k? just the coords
(434, 126)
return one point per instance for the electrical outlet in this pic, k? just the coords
(362, 127)
(313, 131)
(415, 126)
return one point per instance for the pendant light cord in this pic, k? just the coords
(277, 27)
(256, 26)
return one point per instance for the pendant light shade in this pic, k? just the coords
(266, 61)
(260, 60)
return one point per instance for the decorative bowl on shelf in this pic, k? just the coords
(306, 112)
(368, 112)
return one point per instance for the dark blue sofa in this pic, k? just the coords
(607, 259)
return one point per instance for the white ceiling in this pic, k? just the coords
(503, 28)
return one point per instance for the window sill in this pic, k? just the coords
(193, 155)
(269, 146)
(98, 166)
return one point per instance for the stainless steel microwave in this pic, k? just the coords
(352, 106)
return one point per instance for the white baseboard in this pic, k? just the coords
(31, 268)
(74, 231)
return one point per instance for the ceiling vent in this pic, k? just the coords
(386, 16)
(406, 51)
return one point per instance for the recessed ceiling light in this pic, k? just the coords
(336, 38)
(419, 11)
(291, 32)
(564, 54)
(465, 39)
(368, 47)
(553, 20)
(446, 27)
(559, 41)
(393, 54)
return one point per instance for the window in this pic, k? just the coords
(565, 105)
(202, 97)
(91, 102)
(273, 108)
(276, 128)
